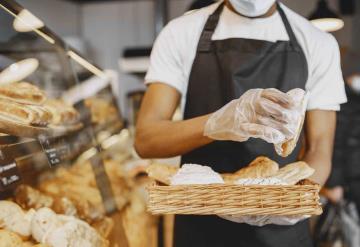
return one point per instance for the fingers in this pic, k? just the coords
(266, 133)
(278, 97)
(268, 108)
(286, 129)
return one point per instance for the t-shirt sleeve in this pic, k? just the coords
(166, 63)
(325, 82)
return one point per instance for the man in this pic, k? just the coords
(213, 61)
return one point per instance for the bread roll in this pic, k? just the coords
(161, 172)
(28, 197)
(104, 227)
(294, 172)
(14, 219)
(9, 239)
(306, 182)
(261, 167)
(59, 231)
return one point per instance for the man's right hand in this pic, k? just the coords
(268, 114)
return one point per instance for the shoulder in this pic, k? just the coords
(190, 21)
(316, 43)
(313, 39)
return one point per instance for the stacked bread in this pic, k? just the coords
(26, 104)
(73, 192)
(29, 228)
(23, 103)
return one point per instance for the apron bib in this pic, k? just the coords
(222, 71)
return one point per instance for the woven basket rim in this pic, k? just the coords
(157, 184)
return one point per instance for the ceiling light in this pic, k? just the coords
(40, 33)
(19, 70)
(27, 22)
(326, 19)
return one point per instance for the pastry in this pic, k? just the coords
(24, 114)
(9, 239)
(60, 230)
(306, 182)
(23, 92)
(294, 172)
(286, 148)
(261, 167)
(62, 113)
(101, 110)
(63, 205)
(161, 172)
(14, 219)
(104, 226)
(28, 197)
(42, 115)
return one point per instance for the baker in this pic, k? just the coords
(215, 61)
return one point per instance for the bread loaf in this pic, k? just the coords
(294, 172)
(161, 172)
(14, 219)
(261, 167)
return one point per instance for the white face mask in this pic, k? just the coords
(355, 84)
(252, 8)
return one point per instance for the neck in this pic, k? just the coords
(270, 12)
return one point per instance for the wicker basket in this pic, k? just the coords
(226, 199)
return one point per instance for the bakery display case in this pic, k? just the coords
(68, 173)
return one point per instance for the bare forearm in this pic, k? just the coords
(165, 138)
(320, 130)
(321, 162)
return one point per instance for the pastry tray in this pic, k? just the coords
(229, 199)
(24, 130)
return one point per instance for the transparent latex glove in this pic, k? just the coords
(262, 220)
(268, 114)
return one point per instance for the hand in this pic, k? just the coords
(334, 195)
(262, 220)
(268, 114)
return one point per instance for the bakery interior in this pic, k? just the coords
(67, 128)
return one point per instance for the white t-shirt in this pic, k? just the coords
(175, 48)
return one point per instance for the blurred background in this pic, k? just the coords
(103, 30)
(79, 48)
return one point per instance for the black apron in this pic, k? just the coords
(222, 71)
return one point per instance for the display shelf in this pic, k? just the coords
(62, 72)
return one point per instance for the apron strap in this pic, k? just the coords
(209, 29)
(290, 32)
